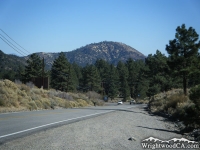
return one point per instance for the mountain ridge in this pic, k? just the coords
(110, 51)
(10, 61)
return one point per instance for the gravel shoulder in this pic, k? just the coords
(108, 131)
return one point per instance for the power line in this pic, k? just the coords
(20, 51)
(14, 41)
(9, 43)
(11, 46)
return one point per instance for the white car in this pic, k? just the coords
(120, 103)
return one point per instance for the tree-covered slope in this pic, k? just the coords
(111, 52)
(10, 62)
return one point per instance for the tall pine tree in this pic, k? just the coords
(91, 79)
(123, 77)
(104, 72)
(158, 73)
(113, 82)
(62, 74)
(33, 69)
(183, 51)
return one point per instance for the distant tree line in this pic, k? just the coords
(133, 78)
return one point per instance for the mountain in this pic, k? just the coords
(109, 51)
(10, 62)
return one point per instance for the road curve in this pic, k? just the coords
(13, 125)
(108, 131)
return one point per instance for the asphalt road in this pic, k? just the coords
(14, 125)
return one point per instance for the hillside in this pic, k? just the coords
(10, 62)
(15, 96)
(109, 51)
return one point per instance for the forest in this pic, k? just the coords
(135, 79)
(132, 79)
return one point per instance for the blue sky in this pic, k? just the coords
(65, 25)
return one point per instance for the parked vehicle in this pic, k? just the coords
(120, 103)
(132, 102)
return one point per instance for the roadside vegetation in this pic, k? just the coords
(131, 79)
(18, 97)
(175, 105)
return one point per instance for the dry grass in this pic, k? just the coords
(95, 98)
(176, 105)
(165, 100)
(18, 97)
(142, 101)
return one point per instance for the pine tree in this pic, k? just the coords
(19, 73)
(104, 72)
(62, 74)
(113, 82)
(123, 76)
(141, 81)
(78, 74)
(194, 76)
(182, 52)
(158, 73)
(91, 79)
(8, 74)
(134, 68)
(72, 80)
(142, 85)
(33, 68)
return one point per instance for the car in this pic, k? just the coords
(132, 102)
(120, 103)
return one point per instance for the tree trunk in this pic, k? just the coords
(185, 84)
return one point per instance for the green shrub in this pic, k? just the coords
(22, 93)
(99, 102)
(32, 105)
(64, 95)
(53, 104)
(195, 96)
(174, 100)
(10, 84)
(3, 90)
(38, 103)
(93, 95)
(35, 96)
(71, 104)
(68, 104)
(2, 100)
(46, 103)
(15, 103)
(157, 103)
(2, 84)
(74, 104)
(60, 102)
(22, 101)
(192, 115)
(25, 88)
(81, 102)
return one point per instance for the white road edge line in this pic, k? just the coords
(53, 124)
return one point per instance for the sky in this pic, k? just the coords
(65, 25)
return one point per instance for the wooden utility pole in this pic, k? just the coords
(43, 72)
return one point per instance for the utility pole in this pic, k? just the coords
(68, 78)
(43, 72)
